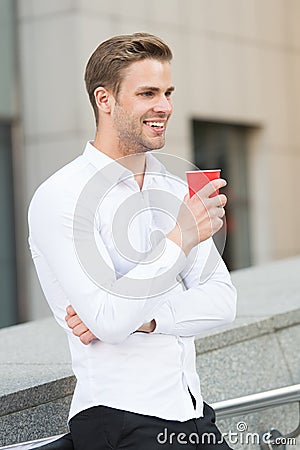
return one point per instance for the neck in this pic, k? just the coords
(135, 162)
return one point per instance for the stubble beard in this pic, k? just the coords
(130, 135)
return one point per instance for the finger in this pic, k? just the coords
(222, 200)
(78, 330)
(220, 212)
(87, 337)
(73, 322)
(186, 199)
(217, 224)
(70, 310)
(212, 187)
(218, 200)
(67, 317)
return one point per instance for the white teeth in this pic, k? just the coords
(156, 124)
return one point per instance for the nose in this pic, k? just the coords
(164, 105)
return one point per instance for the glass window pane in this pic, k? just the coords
(224, 146)
(8, 281)
(7, 58)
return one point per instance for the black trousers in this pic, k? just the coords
(104, 428)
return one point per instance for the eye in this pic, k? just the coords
(147, 94)
(168, 94)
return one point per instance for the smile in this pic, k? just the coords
(155, 126)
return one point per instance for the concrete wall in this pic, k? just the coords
(234, 61)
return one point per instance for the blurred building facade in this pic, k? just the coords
(236, 70)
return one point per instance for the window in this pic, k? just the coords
(8, 278)
(224, 146)
(8, 269)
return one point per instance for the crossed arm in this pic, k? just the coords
(208, 301)
(85, 335)
(101, 311)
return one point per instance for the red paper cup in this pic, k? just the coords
(197, 179)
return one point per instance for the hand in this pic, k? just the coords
(199, 217)
(78, 327)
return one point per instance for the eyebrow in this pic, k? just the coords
(154, 89)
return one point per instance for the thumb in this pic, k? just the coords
(186, 198)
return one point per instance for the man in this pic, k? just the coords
(117, 241)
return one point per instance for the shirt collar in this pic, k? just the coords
(114, 171)
(154, 166)
(111, 169)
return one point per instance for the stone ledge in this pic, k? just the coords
(268, 300)
(244, 330)
(37, 395)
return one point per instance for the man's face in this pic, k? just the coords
(143, 106)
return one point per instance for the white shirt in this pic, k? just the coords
(97, 242)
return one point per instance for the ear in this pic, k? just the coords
(104, 99)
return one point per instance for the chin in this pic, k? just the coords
(155, 145)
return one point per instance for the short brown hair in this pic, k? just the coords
(107, 64)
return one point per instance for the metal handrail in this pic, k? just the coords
(31, 444)
(257, 402)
